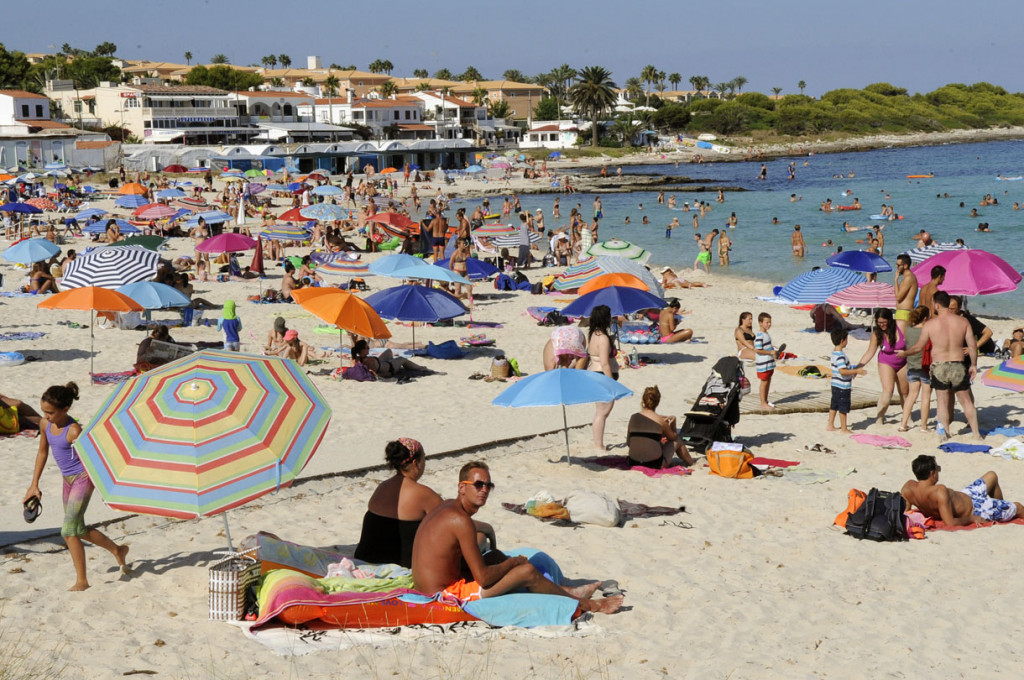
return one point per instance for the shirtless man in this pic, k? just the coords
(929, 289)
(447, 537)
(438, 230)
(906, 291)
(880, 237)
(980, 502)
(464, 225)
(923, 238)
(668, 330)
(796, 239)
(704, 250)
(949, 333)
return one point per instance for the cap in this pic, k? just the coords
(665, 269)
(291, 335)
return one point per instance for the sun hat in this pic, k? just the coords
(568, 340)
(665, 269)
(291, 335)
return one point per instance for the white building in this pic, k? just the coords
(551, 135)
(29, 138)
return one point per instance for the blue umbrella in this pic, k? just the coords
(620, 300)
(323, 211)
(31, 250)
(24, 208)
(562, 387)
(474, 169)
(394, 262)
(859, 261)
(416, 303)
(476, 269)
(429, 272)
(86, 214)
(130, 201)
(555, 154)
(328, 190)
(295, 186)
(153, 295)
(55, 166)
(100, 227)
(276, 187)
(170, 193)
(817, 285)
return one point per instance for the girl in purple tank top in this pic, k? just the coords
(59, 433)
(886, 341)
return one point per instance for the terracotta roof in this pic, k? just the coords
(178, 89)
(44, 124)
(496, 85)
(544, 128)
(274, 93)
(384, 103)
(22, 94)
(94, 145)
(416, 126)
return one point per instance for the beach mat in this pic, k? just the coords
(112, 378)
(773, 462)
(621, 463)
(806, 401)
(17, 337)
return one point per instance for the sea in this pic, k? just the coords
(761, 250)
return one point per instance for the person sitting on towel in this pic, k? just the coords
(653, 438)
(667, 324)
(446, 540)
(979, 502)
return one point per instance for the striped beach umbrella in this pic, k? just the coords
(167, 194)
(866, 295)
(344, 268)
(1008, 375)
(512, 239)
(124, 226)
(323, 211)
(155, 211)
(491, 230)
(818, 284)
(619, 248)
(130, 201)
(328, 190)
(286, 232)
(203, 434)
(590, 268)
(919, 255)
(111, 267)
(89, 212)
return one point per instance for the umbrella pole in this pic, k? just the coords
(565, 423)
(92, 343)
(413, 336)
(341, 348)
(227, 531)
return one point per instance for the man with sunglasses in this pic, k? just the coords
(446, 540)
(980, 502)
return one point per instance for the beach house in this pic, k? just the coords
(28, 137)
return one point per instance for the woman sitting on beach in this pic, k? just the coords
(41, 281)
(385, 365)
(887, 339)
(744, 335)
(297, 350)
(397, 507)
(652, 438)
(143, 359)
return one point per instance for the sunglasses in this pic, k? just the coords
(480, 485)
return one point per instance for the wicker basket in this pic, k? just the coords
(229, 585)
(499, 367)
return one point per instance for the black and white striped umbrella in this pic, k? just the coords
(511, 240)
(919, 255)
(111, 267)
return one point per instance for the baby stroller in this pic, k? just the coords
(717, 408)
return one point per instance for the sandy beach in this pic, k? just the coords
(752, 581)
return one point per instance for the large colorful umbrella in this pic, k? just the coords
(620, 300)
(919, 255)
(619, 248)
(562, 387)
(592, 267)
(227, 242)
(859, 261)
(817, 285)
(286, 232)
(970, 272)
(614, 279)
(155, 211)
(344, 268)
(293, 215)
(111, 267)
(344, 310)
(323, 212)
(253, 172)
(491, 230)
(866, 295)
(31, 250)
(1008, 375)
(93, 299)
(204, 434)
(130, 201)
(153, 295)
(416, 303)
(133, 188)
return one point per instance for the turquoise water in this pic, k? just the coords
(762, 250)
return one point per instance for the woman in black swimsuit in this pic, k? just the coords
(386, 365)
(744, 335)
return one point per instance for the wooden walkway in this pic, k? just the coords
(808, 401)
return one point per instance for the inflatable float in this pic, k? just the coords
(887, 217)
(921, 176)
(849, 207)
(639, 333)
(1011, 179)
(11, 358)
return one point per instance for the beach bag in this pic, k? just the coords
(519, 278)
(537, 288)
(500, 367)
(879, 517)
(359, 373)
(730, 460)
(854, 500)
(587, 507)
(9, 420)
(926, 357)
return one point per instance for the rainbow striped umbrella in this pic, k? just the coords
(203, 434)
(590, 268)
(1008, 375)
(286, 232)
(492, 230)
(345, 268)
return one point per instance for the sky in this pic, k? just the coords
(912, 44)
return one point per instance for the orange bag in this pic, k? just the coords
(855, 498)
(734, 464)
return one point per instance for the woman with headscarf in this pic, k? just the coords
(230, 324)
(567, 348)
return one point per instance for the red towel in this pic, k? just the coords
(939, 525)
(774, 462)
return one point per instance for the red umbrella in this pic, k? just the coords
(177, 169)
(42, 203)
(293, 215)
(395, 223)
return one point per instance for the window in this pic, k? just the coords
(24, 110)
(398, 115)
(408, 115)
(78, 106)
(39, 110)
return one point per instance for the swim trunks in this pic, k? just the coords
(704, 257)
(439, 241)
(986, 507)
(77, 492)
(950, 375)
(765, 375)
(463, 591)
(902, 315)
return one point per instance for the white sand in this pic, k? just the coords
(759, 587)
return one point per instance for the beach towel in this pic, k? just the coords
(24, 335)
(1007, 431)
(16, 294)
(892, 442)
(629, 510)
(956, 447)
(773, 462)
(1011, 449)
(112, 378)
(476, 340)
(539, 313)
(939, 525)
(622, 463)
(445, 350)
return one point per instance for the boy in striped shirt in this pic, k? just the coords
(842, 381)
(765, 360)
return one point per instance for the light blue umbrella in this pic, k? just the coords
(327, 190)
(153, 295)
(429, 272)
(55, 166)
(324, 211)
(562, 387)
(125, 227)
(276, 187)
(167, 194)
(31, 250)
(818, 285)
(473, 169)
(394, 262)
(86, 214)
(130, 201)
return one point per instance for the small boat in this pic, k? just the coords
(921, 176)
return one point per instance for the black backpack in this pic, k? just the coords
(554, 318)
(879, 517)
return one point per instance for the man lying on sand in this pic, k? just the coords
(979, 502)
(447, 536)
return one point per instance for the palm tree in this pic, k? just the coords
(675, 79)
(331, 85)
(594, 93)
(269, 61)
(626, 128)
(386, 66)
(480, 96)
(721, 88)
(563, 76)
(660, 84)
(188, 58)
(634, 88)
(515, 75)
(277, 82)
(387, 89)
(740, 82)
(499, 108)
(700, 83)
(420, 73)
(374, 66)
(443, 74)
(219, 59)
(648, 74)
(801, 85)
(776, 91)
(470, 75)
(284, 60)
(422, 87)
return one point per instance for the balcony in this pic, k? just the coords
(190, 112)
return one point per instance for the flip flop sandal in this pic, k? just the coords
(610, 589)
(477, 376)
(33, 508)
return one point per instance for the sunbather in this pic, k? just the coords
(19, 414)
(979, 502)
(668, 327)
(41, 281)
(385, 365)
(653, 438)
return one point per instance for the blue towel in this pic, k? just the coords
(953, 447)
(446, 350)
(1008, 431)
(526, 610)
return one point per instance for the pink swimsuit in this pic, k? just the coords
(887, 354)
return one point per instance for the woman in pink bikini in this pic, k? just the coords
(887, 339)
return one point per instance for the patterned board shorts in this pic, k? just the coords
(77, 493)
(988, 508)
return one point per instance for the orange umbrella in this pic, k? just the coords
(94, 299)
(4, 177)
(342, 309)
(613, 279)
(133, 188)
(388, 171)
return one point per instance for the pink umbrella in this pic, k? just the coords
(155, 211)
(970, 272)
(867, 295)
(227, 243)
